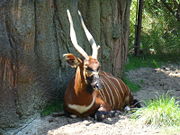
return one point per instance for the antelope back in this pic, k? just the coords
(115, 92)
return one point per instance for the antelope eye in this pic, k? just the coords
(89, 69)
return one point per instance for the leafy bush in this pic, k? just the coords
(163, 111)
(160, 29)
(54, 106)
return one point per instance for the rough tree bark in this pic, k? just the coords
(34, 35)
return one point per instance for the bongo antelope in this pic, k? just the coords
(92, 90)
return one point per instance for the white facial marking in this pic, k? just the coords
(95, 73)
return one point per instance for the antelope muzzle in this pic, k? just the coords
(95, 82)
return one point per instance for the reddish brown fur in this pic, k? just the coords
(115, 94)
(81, 97)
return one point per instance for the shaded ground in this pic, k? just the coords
(152, 81)
(119, 125)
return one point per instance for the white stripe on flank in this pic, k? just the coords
(119, 90)
(118, 94)
(115, 89)
(118, 83)
(110, 92)
(102, 94)
(107, 92)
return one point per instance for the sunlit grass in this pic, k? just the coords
(163, 111)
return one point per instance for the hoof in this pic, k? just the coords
(101, 115)
(127, 109)
(73, 116)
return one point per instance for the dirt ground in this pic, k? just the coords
(153, 82)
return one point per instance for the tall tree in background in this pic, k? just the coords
(34, 35)
(138, 26)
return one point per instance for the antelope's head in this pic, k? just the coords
(89, 66)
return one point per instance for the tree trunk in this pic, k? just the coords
(34, 35)
(138, 28)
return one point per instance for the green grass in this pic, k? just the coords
(163, 111)
(153, 61)
(132, 86)
(54, 106)
(138, 62)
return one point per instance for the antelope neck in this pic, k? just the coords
(79, 83)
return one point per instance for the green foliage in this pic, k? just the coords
(163, 111)
(160, 28)
(132, 23)
(54, 106)
(148, 61)
(154, 61)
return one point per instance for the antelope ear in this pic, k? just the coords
(72, 60)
